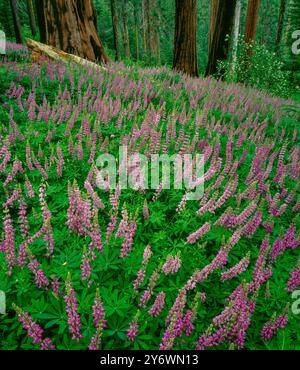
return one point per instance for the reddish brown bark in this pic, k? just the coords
(71, 26)
(185, 46)
(213, 18)
(251, 21)
(222, 23)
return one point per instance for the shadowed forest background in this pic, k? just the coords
(142, 31)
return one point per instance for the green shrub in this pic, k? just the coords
(258, 67)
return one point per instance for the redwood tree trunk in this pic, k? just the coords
(213, 18)
(136, 30)
(16, 20)
(146, 30)
(223, 23)
(280, 22)
(39, 6)
(125, 29)
(185, 43)
(251, 21)
(71, 26)
(31, 17)
(154, 32)
(115, 27)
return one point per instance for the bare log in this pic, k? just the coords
(39, 50)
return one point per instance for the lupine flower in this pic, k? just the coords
(191, 239)
(30, 192)
(22, 255)
(128, 239)
(86, 270)
(55, 285)
(158, 305)
(294, 280)
(34, 330)
(172, 265)
(39, 276)
(72, 310)
(133, 329)
(60, 161)
(100, 323)
(272, 326)
(236, 270)
(8, 245)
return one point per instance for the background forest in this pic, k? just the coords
(142, 31)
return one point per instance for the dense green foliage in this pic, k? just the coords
(163, 101)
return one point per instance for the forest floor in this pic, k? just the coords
(162, 271)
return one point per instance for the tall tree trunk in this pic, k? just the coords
(125, 29)
(16, 20)
(236, 30)
(115, 22)
(223, 27)
(31, 17)
(185, 43)
(146, 30)
(39, 6)
(251, 21)
(213, 17)
(280, 22)
(136, 26)
(153, 30)
(70, 26)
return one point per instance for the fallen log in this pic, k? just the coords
(38, 50)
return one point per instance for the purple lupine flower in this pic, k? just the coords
(211, 340)
(111, 227)
(86, 270)
(128, 239)
(17, 167)
(60, 161)
(72, 310)
(236, 270)
(22, 255)
(8, 245)
(273, 325)
(140, 277)
(100, 323)
(14, 197)
(147, 255)
(145, 298)
(294, 280)
(252, 225)
(132, 332)
(191, 239)
(55, 285)
(29, 190)
(175, 320)
(172, 265)
(34, 330)
(23, 221)
(96, 199)
(158, 305)
(39, 276)
(40, 168)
